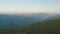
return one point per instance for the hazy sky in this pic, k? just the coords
(29, 6)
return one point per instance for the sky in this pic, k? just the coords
(29, 6)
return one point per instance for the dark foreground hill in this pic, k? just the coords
(45, 27)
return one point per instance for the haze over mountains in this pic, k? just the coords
(20, 20)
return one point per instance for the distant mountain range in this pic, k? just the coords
(7, 21)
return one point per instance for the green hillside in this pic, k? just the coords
(47, 27)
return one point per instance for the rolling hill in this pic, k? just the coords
(14, 20)
(50, 25)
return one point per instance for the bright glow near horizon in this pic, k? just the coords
(29, 6)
